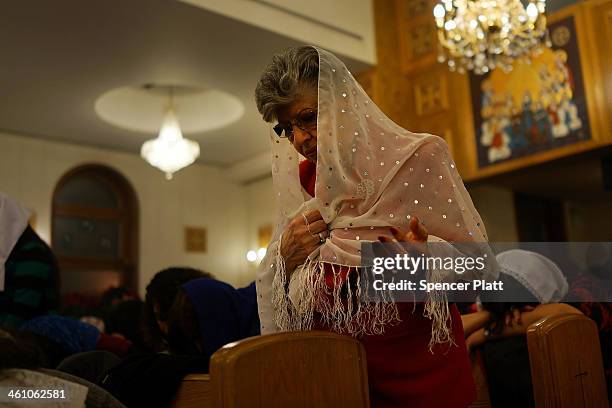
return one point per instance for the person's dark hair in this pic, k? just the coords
(184, 336)
(500, 305)
(291, 73)
(115, 295)
(161, 292)
(126, 318)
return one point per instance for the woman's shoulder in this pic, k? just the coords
(428, 144)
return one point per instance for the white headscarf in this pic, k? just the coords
(538, 274)
(13, 221)
(371, 174)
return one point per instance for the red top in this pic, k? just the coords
(402, 372)
(114, 344)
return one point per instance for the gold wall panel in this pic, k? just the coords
(417, 34)
(430, 95)
(422, 95)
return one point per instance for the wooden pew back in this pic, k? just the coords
(297, 369)
(194, 392)
(323, 369)
(566, 362)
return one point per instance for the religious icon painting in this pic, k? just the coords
(536, 107)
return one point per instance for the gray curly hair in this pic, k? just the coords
(291, 73)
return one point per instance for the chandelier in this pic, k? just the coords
(481, 35)
(170, 151)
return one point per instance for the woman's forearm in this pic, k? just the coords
(474, 321)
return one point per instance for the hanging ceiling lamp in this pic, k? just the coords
(170, 151)
(481, 35)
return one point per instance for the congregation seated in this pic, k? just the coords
(125, 320)
(150, 347)
(160, 294)
(206, 314)
(73, 336)
(533, 286)
(22, 364)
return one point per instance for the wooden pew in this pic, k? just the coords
(566, 363)
(194, 392)
(320, 368)
(298, 369)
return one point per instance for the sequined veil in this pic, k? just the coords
(371, 174)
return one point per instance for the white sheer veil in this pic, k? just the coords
(371, 174)
(538, 274)
(13, 221)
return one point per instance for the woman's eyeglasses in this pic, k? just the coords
(306, 120)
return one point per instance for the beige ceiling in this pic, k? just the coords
(57, 57)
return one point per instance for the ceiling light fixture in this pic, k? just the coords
(170, 151)
(481, 35)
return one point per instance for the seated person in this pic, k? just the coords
(21, 363)
(29, 275)
(532, 285)
(194, 329)
(60, 337)
(125, 320)
(161, 292)
(205, 315)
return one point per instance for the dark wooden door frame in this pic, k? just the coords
(127, 213)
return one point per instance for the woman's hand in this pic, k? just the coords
(474, 321)
(416, 233)
(416, 236)
(305, 233)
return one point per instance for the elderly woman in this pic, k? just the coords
(363, 175)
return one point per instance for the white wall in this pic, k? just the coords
(342, 26)
(197, 196)
(262, 206)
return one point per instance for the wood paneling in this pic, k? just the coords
(599, 19)
(417, 34)
(422, 95)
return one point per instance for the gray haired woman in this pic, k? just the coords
(363, 175)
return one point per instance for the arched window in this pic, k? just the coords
(94, 230)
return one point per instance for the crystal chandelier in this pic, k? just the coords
(170, 151)
(480, 35)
